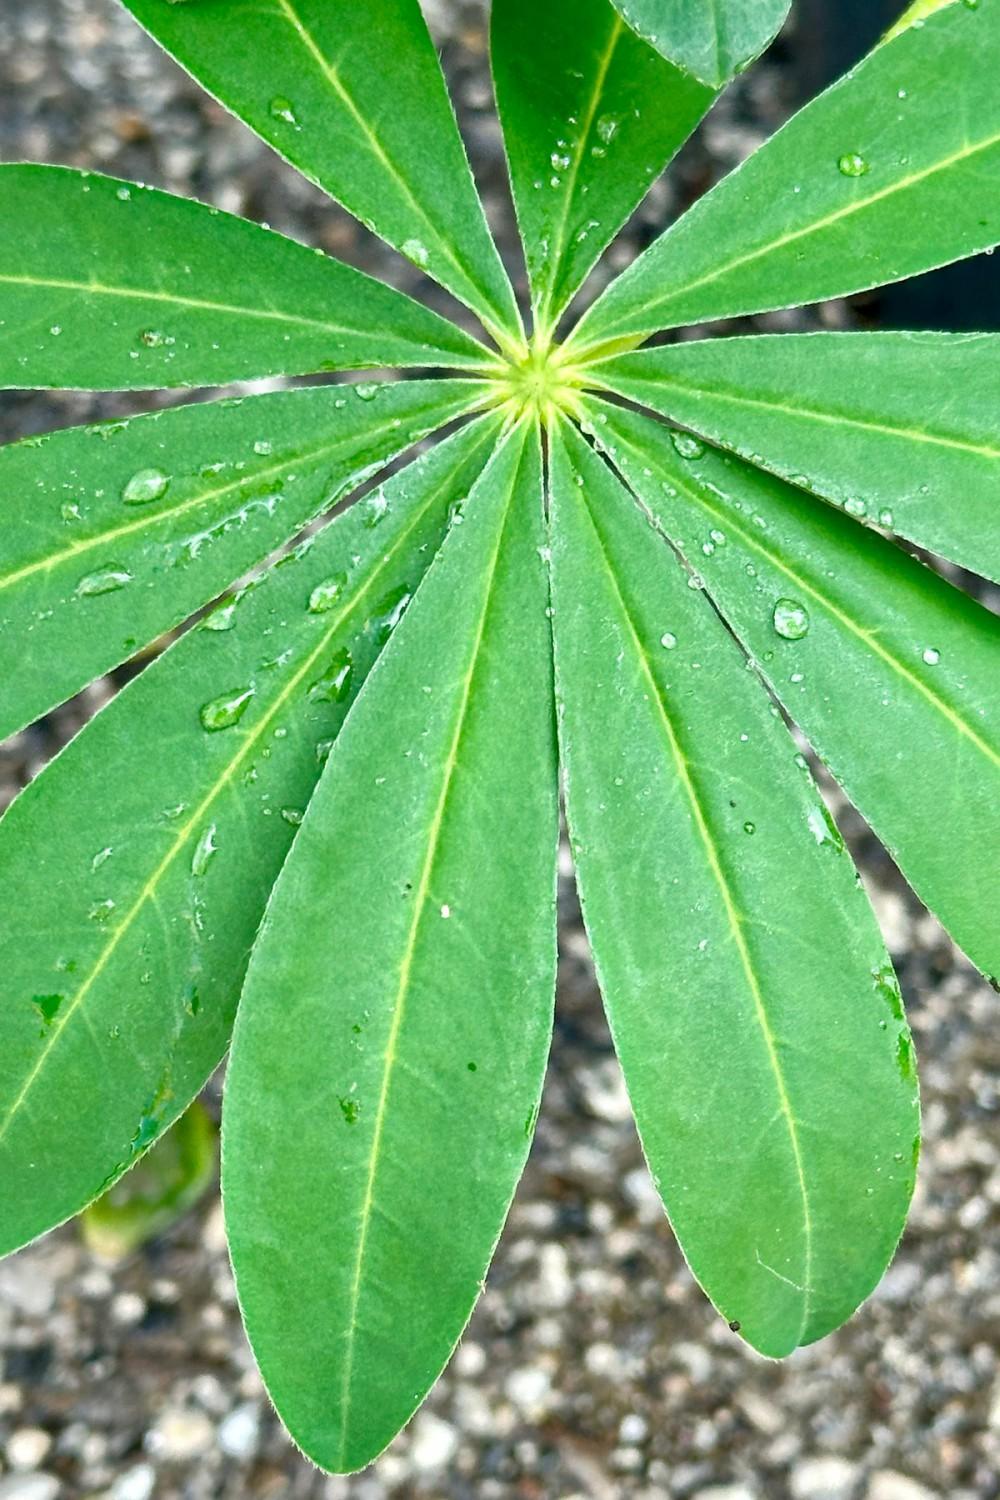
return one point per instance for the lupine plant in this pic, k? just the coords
(329, 811)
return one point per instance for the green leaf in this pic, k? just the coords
(880, 178)
(714, 40)
(591, 116)
(109, 286)
(753, 1007)
(159, 1191)
(115, 533)
(355, 99)
(889, 671)
(902, 429)
(134, 871)
(388, 1058)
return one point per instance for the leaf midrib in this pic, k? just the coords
(203, 304)
(331, 73)
(222, 782)
(406, 968)
(810, 413)
(734, 918)
(546, 309)
(857, 206)
(204, 497)
(806, 587)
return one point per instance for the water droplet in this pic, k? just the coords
(101, 910)
(885, 518)
(282, 109)
(350, 1109)
(932, 656)
(376, 509)
(146, 485)
(416, 251)
(668, 640)
(749, 827)
(687, 446)
(446, 911)
(791, 619)
(69, 512)
(323, 748)
(101, 858)
(263, 447)
(366, 392)
(154, 339)
(335, 684)
(389, 612)
(55, 330)
(855, 507)
(325, 595)
(607, 128)
(293, 816)
(203, 851)
(226, 710)
(222, 618)
(851, 164)
(123, 194)
(105, 581)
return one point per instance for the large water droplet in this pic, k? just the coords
(686, 445)
(366, 392)
(791, 619)
(851, 164)
(932, 656)
(282, 109)
(325, 595)
(335, 683)
(146, 485)
(203, 851)
(416, 251)
(226, 710)
(104, 581)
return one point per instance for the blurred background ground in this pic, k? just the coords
(593, 1367)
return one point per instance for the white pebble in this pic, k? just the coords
(888, 1485)
(180, 1435)
(433, 1444)
(135, 1484)
(27, 1448)
(239, 1434)
(824, 1479)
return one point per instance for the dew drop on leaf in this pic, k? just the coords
(686, 445)
(325, 595)
(932, 656)
(282, 109)
(226, 710)
(335, 683)
(104, 581)
(851, 164)
(366, 392)
(791, 619)
(203, 851)
(668, 640)
(145, 486)
(416, 251)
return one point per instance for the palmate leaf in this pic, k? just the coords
(900, 428)
(115, 533)
(106, 285)
(591, 116)
(753, 1006)
(135, 869)
(889, 671)
(712, 40)
(392, 1035)
(828, 206)
(355, 99)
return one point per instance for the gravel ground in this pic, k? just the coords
(593, 1366)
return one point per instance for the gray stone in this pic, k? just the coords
(824, 1479)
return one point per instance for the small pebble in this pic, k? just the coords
(888, 1485)
(134, 1484)
(27, 1448)
(239, 1433)
(824, 1479)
